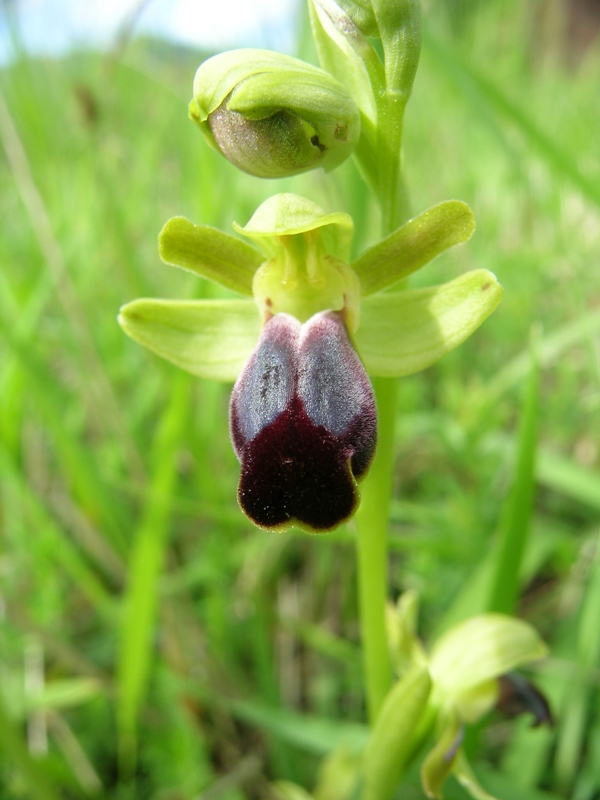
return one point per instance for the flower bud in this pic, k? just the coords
(272, 115)
(361, 14)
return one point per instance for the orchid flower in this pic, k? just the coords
(312, 325)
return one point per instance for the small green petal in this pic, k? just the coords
(413, 245)
(480, 650)
(209, 338)
(466, 777)
(209, 253)
(477, 701)
(439, 762)
(408, 331)
(287, 214)
(395, 734)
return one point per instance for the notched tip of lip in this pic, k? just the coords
(299, 525)
(312, 526)
(297, 473)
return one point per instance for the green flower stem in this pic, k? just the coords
(372, 528)
(373, 516)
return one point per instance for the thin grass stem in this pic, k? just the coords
(504, 586)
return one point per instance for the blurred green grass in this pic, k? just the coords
(152, 641)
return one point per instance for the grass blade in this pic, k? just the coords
(144, 573)
(504, 587)
(461, 72)
(33, 774)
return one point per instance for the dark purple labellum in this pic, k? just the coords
(303, 424)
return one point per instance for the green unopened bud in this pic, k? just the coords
(361, 14)
(272, 115)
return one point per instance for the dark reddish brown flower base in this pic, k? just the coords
(303, 424)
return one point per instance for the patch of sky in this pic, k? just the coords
(54, 27)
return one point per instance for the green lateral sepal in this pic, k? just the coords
(439, 762)
(413, 245)
(466, 777)
(403, 333)
(209, 338)
(209, 253)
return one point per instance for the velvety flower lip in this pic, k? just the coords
(303, 424)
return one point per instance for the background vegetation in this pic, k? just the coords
(153, 643)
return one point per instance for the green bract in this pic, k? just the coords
(346, 53)
(393, 739)
(300, 266)
(273, 115)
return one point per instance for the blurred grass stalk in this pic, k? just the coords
(483, 93)
(99, 386)
(576, 768)
(33, 774)
(515, 524)
(137, 635)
